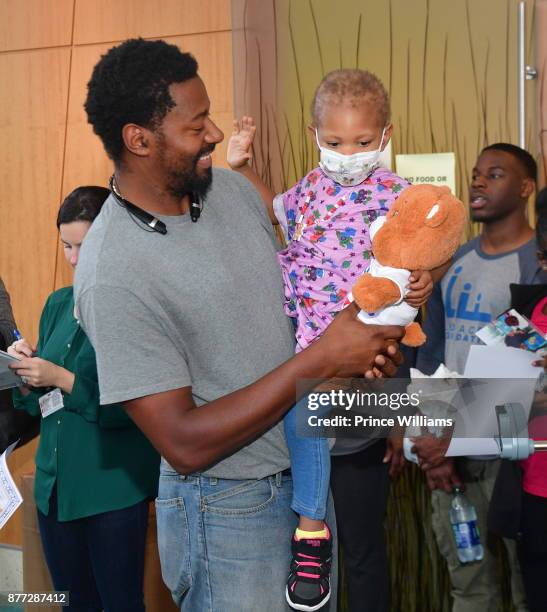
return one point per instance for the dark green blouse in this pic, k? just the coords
(95, 454)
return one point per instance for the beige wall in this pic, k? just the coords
(47, 51)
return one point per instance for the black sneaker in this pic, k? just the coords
(308, 585)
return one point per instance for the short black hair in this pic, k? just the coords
(130, 84)
(527, 162)
(82, 204)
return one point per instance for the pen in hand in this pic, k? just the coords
(17, 335)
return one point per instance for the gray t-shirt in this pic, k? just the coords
(201, 306)
(473, 291)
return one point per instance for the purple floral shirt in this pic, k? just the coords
(320, 268)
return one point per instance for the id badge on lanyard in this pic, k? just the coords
(51, 402)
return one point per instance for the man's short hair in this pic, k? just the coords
(527, 162)
(130, 84)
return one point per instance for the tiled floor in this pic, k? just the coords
(11, 573)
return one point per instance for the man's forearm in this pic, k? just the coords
(192, 438)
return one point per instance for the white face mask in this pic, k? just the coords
(348, 169)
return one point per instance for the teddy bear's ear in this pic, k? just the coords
(395, 209)
(436, 214)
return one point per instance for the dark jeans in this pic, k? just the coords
(532, 551)
(98, 559)
(360, 487)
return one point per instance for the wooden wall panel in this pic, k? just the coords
(104, 20)
(32, 128)
(29, 24)
(33, 102)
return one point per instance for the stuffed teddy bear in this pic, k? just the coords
(422, 231)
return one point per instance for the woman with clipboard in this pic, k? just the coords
(95, 470)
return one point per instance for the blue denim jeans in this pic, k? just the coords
(310, 466)
(225, 544)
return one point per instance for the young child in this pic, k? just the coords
(325, 218)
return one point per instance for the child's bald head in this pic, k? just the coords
(354, 88)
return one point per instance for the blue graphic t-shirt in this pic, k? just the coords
(473, 292)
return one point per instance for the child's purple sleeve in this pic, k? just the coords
(285, 208)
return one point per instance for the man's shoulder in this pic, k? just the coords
(229, 186)
(111, 250)
(467, 247)
(459, 265)
(228, 179)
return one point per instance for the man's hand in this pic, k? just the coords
(541, 363)
(420, 288)
(444, 477)
(353, 348)
(394, 452)
(241, 140)
(431, 450)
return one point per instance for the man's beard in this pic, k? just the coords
(182, 181)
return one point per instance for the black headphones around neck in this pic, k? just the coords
(145, 217)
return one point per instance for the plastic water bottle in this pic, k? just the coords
(464, 523)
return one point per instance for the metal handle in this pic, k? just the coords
(531, 73)
(522, 73)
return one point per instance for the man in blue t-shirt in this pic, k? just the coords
(474, 290)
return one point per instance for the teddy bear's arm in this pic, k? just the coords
(373, 293)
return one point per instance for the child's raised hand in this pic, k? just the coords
(239, 145)
(420, 288)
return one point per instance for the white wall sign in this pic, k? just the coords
(435, 168)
